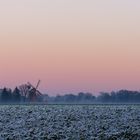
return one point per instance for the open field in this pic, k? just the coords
(70, 122)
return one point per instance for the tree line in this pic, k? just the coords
(16, 96)
(122, 96)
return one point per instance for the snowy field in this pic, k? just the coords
(70, 122)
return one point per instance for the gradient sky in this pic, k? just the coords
(71, 45)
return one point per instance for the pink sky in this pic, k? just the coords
(71, 45)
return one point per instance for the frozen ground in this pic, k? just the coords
(67, 122)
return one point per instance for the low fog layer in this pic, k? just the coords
(18, 95)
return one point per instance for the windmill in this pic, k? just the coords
(34, 92)
(30, 92)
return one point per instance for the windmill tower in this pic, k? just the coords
(34, 92)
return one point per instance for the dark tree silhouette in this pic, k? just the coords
(16, 95)
(6, 95)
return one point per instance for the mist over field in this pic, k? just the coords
(30, 95)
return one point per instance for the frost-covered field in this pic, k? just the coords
(70, 122)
